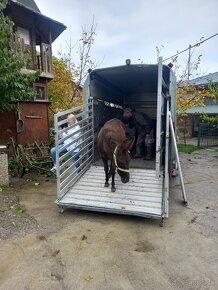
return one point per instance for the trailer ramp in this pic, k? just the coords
(142, 196)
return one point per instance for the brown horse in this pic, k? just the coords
(113, 145)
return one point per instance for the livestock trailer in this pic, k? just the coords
(107, 92)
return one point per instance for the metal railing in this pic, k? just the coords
(74, 146)
(207, 135)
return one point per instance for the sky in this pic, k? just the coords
(133, 29)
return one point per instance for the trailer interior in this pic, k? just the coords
(129, 86)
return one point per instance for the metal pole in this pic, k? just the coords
(177, 158)
(158, 128)
(199, 135)
(166, 177)
(189, 60)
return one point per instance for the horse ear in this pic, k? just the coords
(128, 143)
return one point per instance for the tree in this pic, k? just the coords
(65, 90)
(190, 96)
(14, 85)
(80, 69)
(213, 88)
(63, 93)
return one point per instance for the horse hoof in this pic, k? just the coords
(106, 184)
(113, 189)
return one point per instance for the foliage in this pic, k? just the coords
(63, 93)
(213, 89)
(190, 95)
(209, 119)
(14, 85)
(11, 164)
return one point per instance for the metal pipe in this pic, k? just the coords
(177, 158)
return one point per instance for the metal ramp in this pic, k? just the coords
(142, 196)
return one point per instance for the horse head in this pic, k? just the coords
(121, 158)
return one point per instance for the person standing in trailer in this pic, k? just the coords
(139, 123)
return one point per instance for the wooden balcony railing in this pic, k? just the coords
(38, 60)
(44, 60)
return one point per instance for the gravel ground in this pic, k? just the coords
(15, 222)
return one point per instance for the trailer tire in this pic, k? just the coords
(161, 222)
(61, 209)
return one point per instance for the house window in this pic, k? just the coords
(41, 92)
(24, 34)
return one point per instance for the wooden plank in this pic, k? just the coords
(141, 196)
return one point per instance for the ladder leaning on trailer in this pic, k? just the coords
(177, 157)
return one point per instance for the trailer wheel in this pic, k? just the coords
(161, 222)
(61, 209)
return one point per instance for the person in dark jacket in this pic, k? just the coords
(139, 122)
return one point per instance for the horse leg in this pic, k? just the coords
(107, 175)
(112, 173)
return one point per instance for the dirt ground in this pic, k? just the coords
(42, 249)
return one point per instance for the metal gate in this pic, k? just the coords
(70, 165)
(207, 135)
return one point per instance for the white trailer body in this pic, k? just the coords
(145, 88)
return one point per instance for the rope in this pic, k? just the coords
(115, 162)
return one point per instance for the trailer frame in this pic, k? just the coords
(147, 193)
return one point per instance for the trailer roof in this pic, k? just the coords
(132, 78)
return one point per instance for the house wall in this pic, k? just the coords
(34, 116)
(7, 126)
(24, 19)
(35, 122)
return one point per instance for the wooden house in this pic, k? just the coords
(36, 32)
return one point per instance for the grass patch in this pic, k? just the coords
(187, 148)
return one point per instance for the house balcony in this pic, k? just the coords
(40, 58)
(44, 61)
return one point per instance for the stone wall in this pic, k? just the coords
(4, 177)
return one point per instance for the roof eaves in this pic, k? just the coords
(28, 4)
